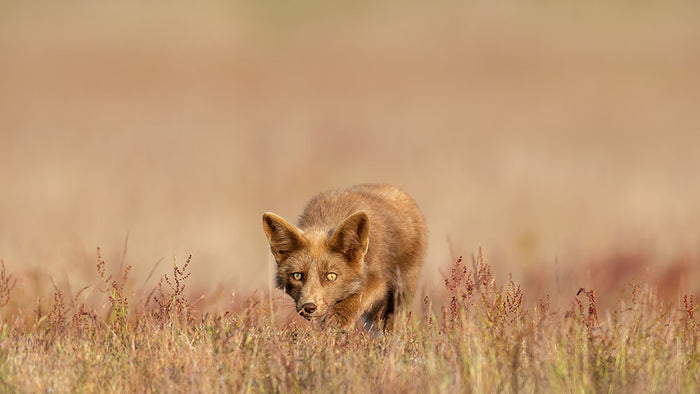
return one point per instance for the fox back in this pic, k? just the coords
(355, 252)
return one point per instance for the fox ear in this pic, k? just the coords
(351, 238)
(284, 238)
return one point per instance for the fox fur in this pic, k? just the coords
(355, 253)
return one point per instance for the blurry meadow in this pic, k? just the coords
(559, 139)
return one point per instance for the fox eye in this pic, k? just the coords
(297, 275)
(332, 276)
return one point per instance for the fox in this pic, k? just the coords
(355, 253)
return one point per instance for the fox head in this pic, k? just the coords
(318, 267)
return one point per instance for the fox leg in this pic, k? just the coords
(344, 313)
(373, 297)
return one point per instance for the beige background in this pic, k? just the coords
(539, 131)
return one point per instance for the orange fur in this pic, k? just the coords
(356, 252)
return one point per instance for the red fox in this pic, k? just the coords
(356, 252)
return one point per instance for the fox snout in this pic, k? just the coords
(307, 310)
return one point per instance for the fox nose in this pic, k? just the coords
(308, 308)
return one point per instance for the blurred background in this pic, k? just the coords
(563, 138)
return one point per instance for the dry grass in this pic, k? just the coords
(484, 337)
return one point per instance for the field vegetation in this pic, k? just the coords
(562, 137)
(482, 336)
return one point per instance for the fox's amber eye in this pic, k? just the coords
(297, 276)
(332, 276)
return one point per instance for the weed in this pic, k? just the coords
(7, 284)
(590, 315)
(172, 304)
(118, 315)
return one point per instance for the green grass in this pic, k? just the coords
(480, 339)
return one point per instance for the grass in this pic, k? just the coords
(482, 338)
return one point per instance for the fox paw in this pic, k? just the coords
(338, 322)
